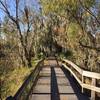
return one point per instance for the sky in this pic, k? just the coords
(34, 4)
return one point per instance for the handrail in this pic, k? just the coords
(72, 68)
(23, 92)
(83, 72)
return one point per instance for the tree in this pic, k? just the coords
(79, 13)
(23, 19)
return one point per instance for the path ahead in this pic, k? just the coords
(55, 84)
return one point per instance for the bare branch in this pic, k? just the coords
(89, 11)
(89, 47)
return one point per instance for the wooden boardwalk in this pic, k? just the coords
(55, 84)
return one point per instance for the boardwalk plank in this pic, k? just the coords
(53, 84)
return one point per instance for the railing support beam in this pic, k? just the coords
(93, 92)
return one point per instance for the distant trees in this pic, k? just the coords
(25, 23)
(81, 25)
(71, 24)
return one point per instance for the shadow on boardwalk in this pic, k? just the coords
(75, 85)
(54, 86)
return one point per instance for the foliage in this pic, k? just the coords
(13, 79)
(67, 28)
(81, 24)
(66, 55)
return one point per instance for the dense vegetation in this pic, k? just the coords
(64, 28)
(76, 26)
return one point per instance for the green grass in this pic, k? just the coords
(13, 80)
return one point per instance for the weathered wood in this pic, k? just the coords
(78, 80)
(54, 85)
(24, 90)
(82, 83)
(84, 73)
(93, 92)
(74, 66)
(56, 73)
(91, 74)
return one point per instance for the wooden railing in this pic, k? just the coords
(86, 79)
(26, 89)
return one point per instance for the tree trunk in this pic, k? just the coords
(29, 61)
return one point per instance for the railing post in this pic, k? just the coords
(93, 92)
(82, 83)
